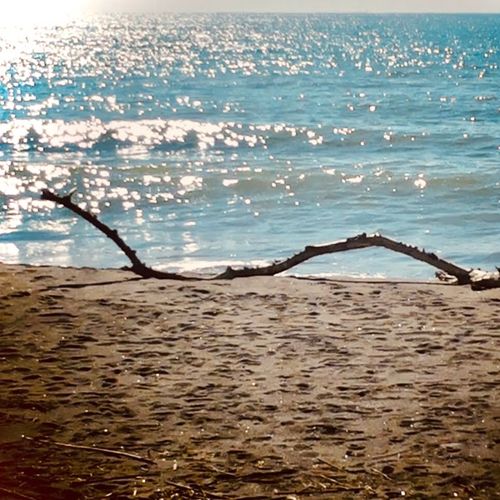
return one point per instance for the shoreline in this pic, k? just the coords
(265, 387)
(210, 277)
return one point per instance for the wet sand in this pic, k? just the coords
(256, 388)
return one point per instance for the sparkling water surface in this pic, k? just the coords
(210, 140)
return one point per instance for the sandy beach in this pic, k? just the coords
(117, 387)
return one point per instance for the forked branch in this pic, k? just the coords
(478, 279)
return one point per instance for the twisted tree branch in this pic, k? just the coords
(477, 279)
(354, 243)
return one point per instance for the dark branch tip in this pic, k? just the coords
(46, 195)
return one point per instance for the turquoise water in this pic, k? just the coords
(216, 139)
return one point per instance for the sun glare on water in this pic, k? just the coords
(39, 12)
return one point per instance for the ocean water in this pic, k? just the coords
(209, 140)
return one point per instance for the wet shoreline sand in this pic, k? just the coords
(256, 388)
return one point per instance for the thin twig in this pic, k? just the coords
(195, 489)
(389, 454)
(255, 497)
(179, 485)
(380, 473)
(221, 472)
(17, 494)
(97, 449)
(328, 478)
(330, 464)
(119, 478)
(286, 494)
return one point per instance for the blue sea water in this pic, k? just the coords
(215, 139)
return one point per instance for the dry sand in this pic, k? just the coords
(255, 388)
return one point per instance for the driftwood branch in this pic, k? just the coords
(354, 243)
(479, 280)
